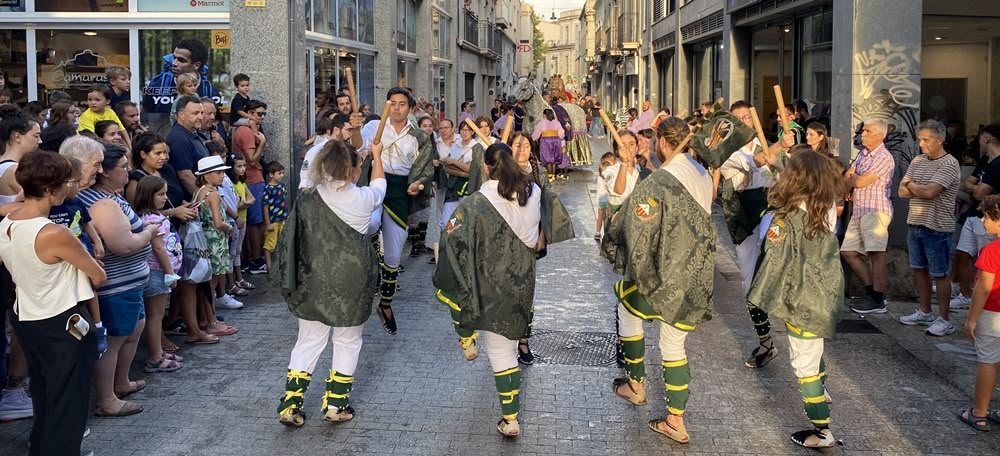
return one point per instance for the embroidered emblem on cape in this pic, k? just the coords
(722, 131)
(776, 233)
(651, 201)
(643, 211)
(453, 224)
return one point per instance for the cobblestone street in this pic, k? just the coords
(895, 392)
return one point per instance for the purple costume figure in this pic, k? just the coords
(549, 133)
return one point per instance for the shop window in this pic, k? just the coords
(405, 71)
(366, 80)
(11, 6)
(74, 60)
(162, 55)
(77, 6)
(13, 65)
(330, 75)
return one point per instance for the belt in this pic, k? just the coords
(550, 134)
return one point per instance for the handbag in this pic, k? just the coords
(195, 267)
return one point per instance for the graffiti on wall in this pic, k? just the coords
(889, 78)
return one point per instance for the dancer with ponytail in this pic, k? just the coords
(486, 272)
(330, 230)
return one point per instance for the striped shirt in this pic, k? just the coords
(875, 197)
(937, 213)
(127, 272)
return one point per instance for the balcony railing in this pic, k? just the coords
(471, 28)
(628, 29)
(489, 39)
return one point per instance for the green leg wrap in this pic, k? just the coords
(421, 233)
(822, 370)
(508, 389)
(456, 318)
(295, 388)
(676, 376)
(338, 390)
(816, 407)
(389, 276)
(761, 322)
(634, 348)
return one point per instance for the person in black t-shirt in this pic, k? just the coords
(984, 181)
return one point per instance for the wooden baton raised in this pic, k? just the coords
(759, 128)
(611, 128)
(381, 123)
(505, 135)
(350, 89)
(484, 138)
(782, 117)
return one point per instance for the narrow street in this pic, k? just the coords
(414, 394)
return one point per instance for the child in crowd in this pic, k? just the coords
(187, 86)
(228, 192)
(238, 174)
(607, 160)
(212, 212)
(98, 102)
(275, 210)
(120, 80)
(983, 324)
(164, 262)
(238, 108)
(74, 215)
(799, 277)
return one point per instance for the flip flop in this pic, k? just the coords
(139, 386)
(675, 434)
(222, 330)
(209, 339)
(128, 408)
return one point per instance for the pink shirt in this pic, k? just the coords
(875, 197)
(546, 124)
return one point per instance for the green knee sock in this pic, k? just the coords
(761, 322)
(676, 376)
(389, 276)
(295, 388)
(338, 390)
(508, 390)
(816, 407)
(634, 348)
(456, 318)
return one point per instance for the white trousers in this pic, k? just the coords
(446, 212)
(312, 341)
(805, 355)
(393, 238)
(500, 350)
(672, 340)
(376, 221)
(437, 205)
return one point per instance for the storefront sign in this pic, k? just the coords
(185, 6)
(255, 3)
(220, 39)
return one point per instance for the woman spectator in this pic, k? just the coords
(55, 275)
(36, 111)
(62, 113)
(426, 123)
(109, 131)
(818, 139)
(20, 136)
(365, 110)
(127, 244)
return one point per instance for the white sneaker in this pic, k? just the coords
(918, 317)
(228, 302)
(960, 302)
(15, 404)
(941, 328)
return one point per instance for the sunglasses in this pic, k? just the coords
(262, 114)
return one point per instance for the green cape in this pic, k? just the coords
(664, 241)
(797, 279)
(556, 222)
(485, 271)
(326, 270)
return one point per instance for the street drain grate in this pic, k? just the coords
(574, 348)
(855, 326)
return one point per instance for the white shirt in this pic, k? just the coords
(354, 205)
(310, 156)
(444, 150)
(696, 180)
(523, 220)
(741, 170)
(610, 175)
(399, 150)
(464, 150)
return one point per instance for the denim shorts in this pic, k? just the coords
(929, 250)
(155, 285)
(255, 213)
(120, 312)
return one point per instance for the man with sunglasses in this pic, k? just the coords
(249, 142)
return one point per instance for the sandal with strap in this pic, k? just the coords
(164, 365)
(509, 428)
(815, 438)
(966, 416)
(760, 356)
(245, 285)
(172, 356)
(677, 434)
(468, 346)
(139, 386)
(292, 417)
(339, 414)
(388, 319)
(635, 397)
(238, 291)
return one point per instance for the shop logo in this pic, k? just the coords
(207, 4)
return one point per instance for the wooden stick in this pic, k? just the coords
(483, 137)
(611, 129)
(759, 128)
(350, 89)
(507, 127)
(782, 117)
(381, 123)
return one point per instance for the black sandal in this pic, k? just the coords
(524, 354)
(760, 356)
(388, 319)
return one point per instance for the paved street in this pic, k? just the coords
(894, 391)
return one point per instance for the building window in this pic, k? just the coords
(442, 35)
(13, 65)
(347, 19)
(406, 33)
(816, 68)
(74, 60)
